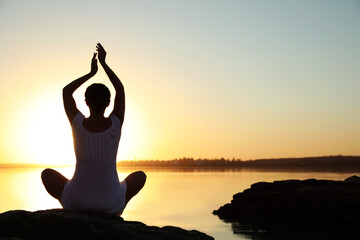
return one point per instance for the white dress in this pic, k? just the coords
(95, 185)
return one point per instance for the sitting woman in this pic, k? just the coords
(95, 185)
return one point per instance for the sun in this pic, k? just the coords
(42, 132)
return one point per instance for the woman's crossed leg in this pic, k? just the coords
(135, 182)
(54, 182)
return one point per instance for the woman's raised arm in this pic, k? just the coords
(119, 104)
(68, 99)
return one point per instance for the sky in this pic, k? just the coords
(241, 79)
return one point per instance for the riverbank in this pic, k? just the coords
(297, 209)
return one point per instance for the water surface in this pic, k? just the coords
(182, 197)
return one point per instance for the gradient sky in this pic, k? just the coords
(203, 79)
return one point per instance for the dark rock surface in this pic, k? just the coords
(297, 209)
(63, 224)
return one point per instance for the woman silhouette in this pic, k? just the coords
(95, 185)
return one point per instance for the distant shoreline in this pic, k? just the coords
(326, 162)
(321, 163)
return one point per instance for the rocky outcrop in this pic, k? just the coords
(64, 224)
(304, 208)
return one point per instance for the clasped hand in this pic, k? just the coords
(101, 54)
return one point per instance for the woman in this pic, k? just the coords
(95, 185)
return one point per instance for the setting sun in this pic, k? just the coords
(43, 134)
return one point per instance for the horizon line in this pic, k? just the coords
(38, 165)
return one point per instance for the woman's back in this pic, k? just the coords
(96, 147)
(96, 125)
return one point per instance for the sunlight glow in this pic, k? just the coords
(243, 79)
(42, 133)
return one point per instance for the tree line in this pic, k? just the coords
(322, 161)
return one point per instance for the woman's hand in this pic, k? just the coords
(94, 66)
(101, 53)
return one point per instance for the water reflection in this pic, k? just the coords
(249, 231)
(180, 197)
(294, 232)
(20, 188)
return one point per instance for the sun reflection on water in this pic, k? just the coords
(183, 199)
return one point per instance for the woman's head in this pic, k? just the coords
(97, 97)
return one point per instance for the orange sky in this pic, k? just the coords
(204, 79)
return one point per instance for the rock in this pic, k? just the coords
(65, 224)
(305, 208)
(353, 179)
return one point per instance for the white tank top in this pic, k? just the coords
(95, 185)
